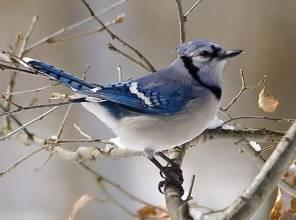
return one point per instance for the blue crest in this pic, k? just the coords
(194, 47)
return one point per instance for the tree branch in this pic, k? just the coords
(114, 36)
(71, 27)
(181, 21)
(191, 9)
(177, 208)
(266, 180)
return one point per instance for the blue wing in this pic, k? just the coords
(130, 95)
(145, 95)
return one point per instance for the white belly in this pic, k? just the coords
(161, 132)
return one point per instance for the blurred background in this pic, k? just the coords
(264, 29)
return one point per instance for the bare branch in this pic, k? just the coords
(113, 48)
(242, 90)
(20, 44)
(7, 67)
(34, 107)
(177, 208)
(61, 128)
(189, 196)
(191, 9)
(92, 153)
(119, 19)
(266, 180)
(116, 186)
(84, 134)
(71, 27)
(256, 157)
(181, 21)
(112, 199)
(31, 90)
(19, 123)
(27, 37)
(40, 117)
(289, 120)
(113, 36)
(13, 166)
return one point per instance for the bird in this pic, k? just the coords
(160, 110)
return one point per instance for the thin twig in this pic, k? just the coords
(31, 90)
(177, 208)
(19, 123)
(34, 107)
(27, 37)
(266, 180)
(181, 21)
(13, 166)
(191, 9)
(61, 128)
(113, 36)
(113, 200)
(71, 27)
(11, 84)
(7, 67)
(116, 186)
(256, 157)
(189, 196)
(54, 40)
(82, 141)
(40, 117)
(45, 162)
(113, 48)
(244, 88)
(10, 102)
(289, 120)
(84, 134)
(21, 43)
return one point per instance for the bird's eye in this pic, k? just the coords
(204, 53)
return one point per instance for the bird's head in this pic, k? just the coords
(205, 60)
(205, 54)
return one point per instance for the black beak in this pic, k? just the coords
(230, 54)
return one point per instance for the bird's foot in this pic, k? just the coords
(172, 174)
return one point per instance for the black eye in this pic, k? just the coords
(204, 53)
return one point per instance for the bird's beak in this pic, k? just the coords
(229, 54)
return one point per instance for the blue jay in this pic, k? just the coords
(162, 110)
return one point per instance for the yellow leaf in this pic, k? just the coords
(266, 102)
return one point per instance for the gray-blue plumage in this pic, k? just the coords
(162, 109)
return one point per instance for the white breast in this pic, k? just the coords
(161, 132)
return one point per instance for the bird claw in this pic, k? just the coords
(171, 173)
(173, 176)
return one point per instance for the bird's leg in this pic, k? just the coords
(170, 161)
(172, 174)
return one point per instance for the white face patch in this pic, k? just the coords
(134, 89)
(198, 60)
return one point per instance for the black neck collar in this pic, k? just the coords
(193, 70)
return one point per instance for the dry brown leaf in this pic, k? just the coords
(80, 203)
(151, 212)
(266, 102)
(285, 205)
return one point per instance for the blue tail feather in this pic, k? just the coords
(61, 76)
